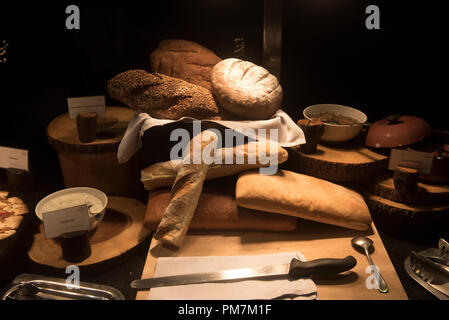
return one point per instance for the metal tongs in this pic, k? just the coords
(430, 268)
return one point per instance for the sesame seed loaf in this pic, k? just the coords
(164, 97)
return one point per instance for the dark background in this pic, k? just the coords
(328, 55)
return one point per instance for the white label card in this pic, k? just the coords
(411, 159)
(13, 158)
(95, 104)
(66, 220)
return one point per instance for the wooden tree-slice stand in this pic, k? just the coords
(62, 132)
(342, 163)
(95, 164)
(426, 194)
(409, 221)
(121, 230)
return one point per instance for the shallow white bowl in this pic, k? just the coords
(337, 132)
(94, 218)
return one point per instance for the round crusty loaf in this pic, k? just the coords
(245, 89)
(185, 60)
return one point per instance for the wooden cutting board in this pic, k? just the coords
(313, 240)
(121, 230)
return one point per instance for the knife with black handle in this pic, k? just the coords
(294, 270)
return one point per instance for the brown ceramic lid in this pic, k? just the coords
(397, 131)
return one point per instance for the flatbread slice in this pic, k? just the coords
(17, 209)
(3, 194)
(6, 234)
(10, 223)
(15, 200)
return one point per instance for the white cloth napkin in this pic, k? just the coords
(301, 289)
(289, 134)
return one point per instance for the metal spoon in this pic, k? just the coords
(365, 244)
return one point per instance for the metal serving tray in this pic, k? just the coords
(37, 287)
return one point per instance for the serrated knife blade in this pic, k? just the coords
(295, 269)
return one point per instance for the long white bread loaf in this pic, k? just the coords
(185, 192)
(304, 197)
(163, 174)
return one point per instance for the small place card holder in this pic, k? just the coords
(72, 226)
(19, 177)
(86, 110)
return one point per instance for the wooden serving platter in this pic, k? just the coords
(313, 240)
(342, 163)
(121, 230)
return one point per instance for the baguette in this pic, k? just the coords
(304, 197)
(185, 193)
(163, 174)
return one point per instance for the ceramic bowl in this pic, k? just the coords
(94, 218)
(337, 132)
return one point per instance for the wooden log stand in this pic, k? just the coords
(95, 164)
(426, 194)
(342, 163)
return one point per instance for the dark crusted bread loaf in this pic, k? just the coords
(185, 60)
(164, 97)
(245, 89)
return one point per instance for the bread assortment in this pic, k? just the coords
(189, 80)
(186, 60)
(245, 89)
(303, 196)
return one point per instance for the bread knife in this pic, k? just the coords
(294, 270)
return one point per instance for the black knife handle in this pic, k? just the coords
(299, 269)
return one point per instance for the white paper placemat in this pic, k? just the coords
(301, 289)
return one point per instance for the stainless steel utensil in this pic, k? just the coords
(365, 243)
(295, 269)
(29, 285)
(429, 273)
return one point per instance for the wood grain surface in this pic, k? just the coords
(346, 162)
(313, 240)
(121, 230)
